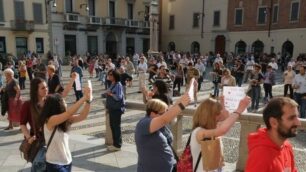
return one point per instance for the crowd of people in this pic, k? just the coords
(161, 77)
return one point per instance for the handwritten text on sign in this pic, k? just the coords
(232, 97)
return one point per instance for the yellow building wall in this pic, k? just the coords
(40, 30)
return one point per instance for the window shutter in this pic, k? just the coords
(37, 13)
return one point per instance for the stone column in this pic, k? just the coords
(154, 16)
(246, 128)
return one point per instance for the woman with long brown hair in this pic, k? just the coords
(211, 119)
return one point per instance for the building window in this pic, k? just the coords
(195, 48)
(171, 23)
(238, 16)
(294, 16)
(21, 46)
(111, 9)
(275, 14)
(261, 18)
(68, 6)
(130, 10)
(40, 45)
(217, 18)
(37, 13)
(92, 44)
(196, 17)
(1, 11)
(19, 10)
(2, 45)
(92, 7)
(147, 13)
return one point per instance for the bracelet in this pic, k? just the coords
(182, 107)
(238, 113)
(88, 101)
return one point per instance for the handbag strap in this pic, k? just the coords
(199, 156)
(198, 161)
(52, 135)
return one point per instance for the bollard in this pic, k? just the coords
(246, 128)
(177, 130)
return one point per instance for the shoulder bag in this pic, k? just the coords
(39, 163)
(113, 104)
(213, 158)
(29, 150)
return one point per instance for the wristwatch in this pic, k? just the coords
(88, 101)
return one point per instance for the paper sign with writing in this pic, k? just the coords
(232, 97)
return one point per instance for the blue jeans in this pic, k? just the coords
(58, 168)
(302, 104)
(216, 89)
(255, 94)
(239, 80)
(115, 124)
(102, 75)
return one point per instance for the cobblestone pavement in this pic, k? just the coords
(94, 125)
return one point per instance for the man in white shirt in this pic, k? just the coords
(218, 59)
(249, 68)
(273, 64)
(201, 67)
(299, 86)
(135, 61)
(142, 69)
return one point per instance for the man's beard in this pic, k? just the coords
(286, 133)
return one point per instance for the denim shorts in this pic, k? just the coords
(58, 168)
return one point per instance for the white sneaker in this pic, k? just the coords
(113, 148)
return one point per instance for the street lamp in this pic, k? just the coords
(202, 15)
(49, 21)
(53, 4)
(86, 6)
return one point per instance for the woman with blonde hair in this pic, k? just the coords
(211, 119)
(154, 150)
(227, 78)
(22, 74)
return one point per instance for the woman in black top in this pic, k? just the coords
(54, 84)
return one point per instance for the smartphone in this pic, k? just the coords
(90, 86)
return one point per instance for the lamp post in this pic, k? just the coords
(86, 6)
(154, 32)
(49, 21)
(202, 23)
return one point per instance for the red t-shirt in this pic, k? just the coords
(26, 117)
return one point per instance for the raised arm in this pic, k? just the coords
(86, 108)
(226, 124)
(68, 87)
(167, 117)
(60, 118)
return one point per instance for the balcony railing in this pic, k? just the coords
(112, 21)
(95, 20)
(22, 25)
(115, 21)
(72, 18)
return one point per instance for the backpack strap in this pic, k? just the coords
(198, 161)
(200, 154)
(52, 135)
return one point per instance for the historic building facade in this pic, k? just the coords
(194, 26)
(258, 26)
(114, 27)
(23, 27)
(271, 26)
